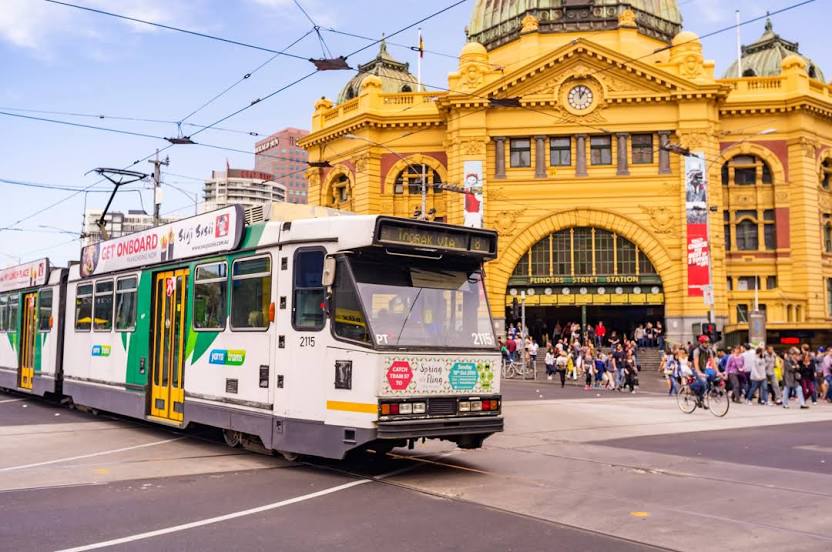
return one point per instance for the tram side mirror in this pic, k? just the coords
(328, 276)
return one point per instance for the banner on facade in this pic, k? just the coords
(696, 210)
(473, 184)
(204, 234)
(26, 275)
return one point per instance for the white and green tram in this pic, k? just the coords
(307, 336)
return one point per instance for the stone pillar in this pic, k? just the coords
(499, 157)
(623, 169)
(664, 155)
(540, 157)
(580, 155)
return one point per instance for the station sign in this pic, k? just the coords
(205, 234)
(25, 275)
(633, 279)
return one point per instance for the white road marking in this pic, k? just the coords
(217, 519)
(11, 400)
(102, 453)
(814, 448)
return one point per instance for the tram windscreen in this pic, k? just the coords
(424, 306)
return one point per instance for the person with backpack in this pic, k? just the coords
(549, 361)
(561, 363)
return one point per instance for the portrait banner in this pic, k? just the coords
(473, 184)
(696, 214)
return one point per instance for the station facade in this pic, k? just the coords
(558, 112)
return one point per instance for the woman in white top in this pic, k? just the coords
(758, 377)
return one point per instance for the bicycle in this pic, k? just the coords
(715, 399)
(511, 369)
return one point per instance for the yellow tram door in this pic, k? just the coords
(28, 334)
(168, 339)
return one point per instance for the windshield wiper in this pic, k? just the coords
(406, 318)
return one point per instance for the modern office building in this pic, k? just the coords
(573, 118)
(117, 223)
(280, 155)
(240, 186)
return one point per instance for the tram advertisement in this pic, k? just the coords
(26, 275)
(430, 375)
(213, 232)
(472, 206)
(696, 210)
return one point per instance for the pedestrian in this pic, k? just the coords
(549, 361)
(533, 349)
(638, 335)
(733, 367)
(659, 331)
(617, 364)
(600, 334)
(807, 375)
(826, 367)
(791, 378)
(748, 356)
(670, 365)
(511, 346)
(757, 375)
(588, 364)
(561, 363)
(773, 384)
(630, 372)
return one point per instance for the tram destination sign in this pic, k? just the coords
(436, 236)
(25, 275)
(205, 234)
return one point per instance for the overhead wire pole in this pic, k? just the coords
(157, 185)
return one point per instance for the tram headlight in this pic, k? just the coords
(476, 406)
(419, 408)
(405, 408)
(464, 406)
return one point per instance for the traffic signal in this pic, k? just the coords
(710, 330)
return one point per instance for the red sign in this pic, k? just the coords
(399, 375)
(696, 213)
(699, 255)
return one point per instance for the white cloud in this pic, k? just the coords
(37, 26)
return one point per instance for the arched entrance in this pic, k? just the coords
(585, 274)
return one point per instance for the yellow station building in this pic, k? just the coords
(564, 105)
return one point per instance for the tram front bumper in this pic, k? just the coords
(439, 427)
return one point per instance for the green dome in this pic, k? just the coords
(394, 75)
(763, 57)
(496, 22)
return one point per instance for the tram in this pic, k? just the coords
(312, 336)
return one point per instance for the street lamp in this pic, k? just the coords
(423, 212)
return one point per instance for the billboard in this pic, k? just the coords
(473, 185)
(696, 214)
(25, 275)
(213, 232)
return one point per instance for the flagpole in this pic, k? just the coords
(419, 63)
(739, 48)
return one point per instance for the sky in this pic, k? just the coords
(55, 58)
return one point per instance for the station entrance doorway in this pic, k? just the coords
(584, 275)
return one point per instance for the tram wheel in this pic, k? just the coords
(289, 456)
(232, 438)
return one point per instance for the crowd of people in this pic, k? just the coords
(578, 357)
(610, 362)
(753, 373)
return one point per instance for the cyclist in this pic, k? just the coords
(702, 358)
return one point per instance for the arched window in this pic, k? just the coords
(410, 178)
(749, 73)
(339, 195)
(813, 72)
(746, 170)
(826, 173)
(584, 252)
(350, 93)
(827, 237)
(747, 238)
(406, 88)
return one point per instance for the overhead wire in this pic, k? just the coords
(177, 29)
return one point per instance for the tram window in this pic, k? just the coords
(83, 308)
(12, 313)
(4, 311)
(44, 309)
(251, 293)
(210, 296)
(102, 319)
(126, 303)
(308, 294)
(348, 321)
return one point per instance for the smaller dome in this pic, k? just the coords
(473, 49)
(393, 74)
(764, 58)
(684, 37)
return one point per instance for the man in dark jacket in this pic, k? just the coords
(791, 378)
